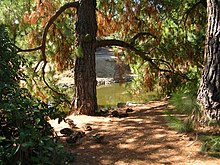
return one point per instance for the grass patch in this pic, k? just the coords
(181, 126)
(211, 144)
(186, 117)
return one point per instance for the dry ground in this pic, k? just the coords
(142, 138)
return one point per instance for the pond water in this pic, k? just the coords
(110, 95)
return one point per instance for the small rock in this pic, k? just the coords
(115, 114)
(129, 110)
(123, 115)
(71, 140)
(190, 138)
(99, 138)
(66, 131)
(70, 122)
(75, 136)
(104, 110)
(121, 105)
(88, 128)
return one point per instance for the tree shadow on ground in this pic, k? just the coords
(141, 138)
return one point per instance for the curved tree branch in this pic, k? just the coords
(114, 42)
(51, 21)
(165, 63)
(190, 10)
(44, 36)
(47, 26)
(26, 50)
(140, 35)
(140, 53)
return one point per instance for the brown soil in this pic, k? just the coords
(142, 138)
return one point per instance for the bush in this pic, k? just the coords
(25, 136)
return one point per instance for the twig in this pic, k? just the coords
(193, 141)
(187, 13)
(140, 35)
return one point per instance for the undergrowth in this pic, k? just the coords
(186, 117)
(182, 126)
(211, 144)
(25, 135)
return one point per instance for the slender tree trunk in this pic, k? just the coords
(209, 91)
(85, 73)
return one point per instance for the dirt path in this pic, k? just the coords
(142, 138)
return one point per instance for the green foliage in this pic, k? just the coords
(186, 114)
(25, 135)
(211, 144)
(184, 100)
(179, 125)
(185, 97)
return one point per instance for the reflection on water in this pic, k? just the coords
(112, 94)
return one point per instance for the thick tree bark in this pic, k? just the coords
(85, 74)
(209, 91)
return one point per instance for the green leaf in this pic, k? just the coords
(2, 138)
(79, 51)
(15, 149)
(28, 144)
(37, 120)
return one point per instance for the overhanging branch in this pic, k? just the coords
(27, 50)
(44, 36)
(140, 35)
(114, 42)
(190, 10)
(51, 21)
(140, 53)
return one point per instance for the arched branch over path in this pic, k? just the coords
(140, 35)
(140, 53)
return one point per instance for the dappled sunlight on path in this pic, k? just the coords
(141, 138)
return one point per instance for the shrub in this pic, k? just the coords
(25, 136)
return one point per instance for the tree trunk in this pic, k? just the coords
(209, 91)
(85, 73)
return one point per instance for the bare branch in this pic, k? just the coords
(46, 29)
(142, 54)
(167, 64)
(49, 23)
